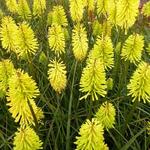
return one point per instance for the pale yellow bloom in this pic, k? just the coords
(27, 139)
(57, 75)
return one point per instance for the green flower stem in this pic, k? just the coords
(69, 109)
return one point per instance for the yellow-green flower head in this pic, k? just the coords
(93, 81)
(58, 16)
(56, 39)
(24, 9)
(21, 94)
(76, 10)
(39, 7)
(106, 115)
(112, 12)
(90, 136)
(12, 5)
(132, 48)
(146, 9)
(6, 71)
(27, 139)
(139, 86)
(79, 42)
(8, 33)
(90, 4)
(127, 11)
(103, 49)
(26, 41)
(57, 75)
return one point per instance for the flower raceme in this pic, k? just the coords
(127, 11)
(58, 16)
(56, 39)
(106, 115)
(91, 136)
(24, 9)
(146, 9)
(39, 7)
(6, 71)
(76, 10)
(9, 34)
(12, 5)
(27, 139)
(132, 48)
(57, 75)
(27, 44)
(139, 86)
(21, 94)
(79, 42)
(93, 81)
(103, 49)
(112, 11)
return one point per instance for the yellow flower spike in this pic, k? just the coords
(112, 14)
(57, 75)
(79, 42)
(24, 9)
(76, 10)
(39, 7)
(59, 16)
(127, 11)
(103, 49)
(9, 33)
(26, 41)
(132, 49)
(27, 139)
(106, 115)
(139, 86)
(6, 71)
(56, 39)
(146, 9)
(12, 5)
(22, 92)
(90, 136)
(93, 81)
